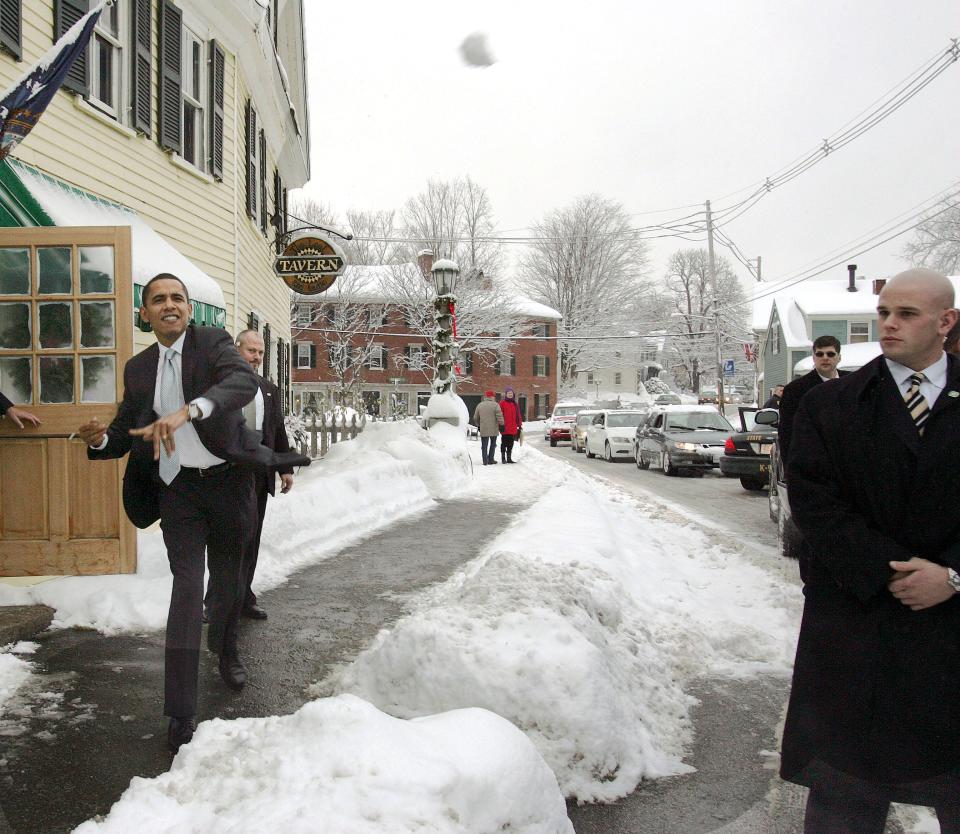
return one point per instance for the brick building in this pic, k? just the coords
(356, 345)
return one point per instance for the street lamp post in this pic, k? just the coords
(445, 273)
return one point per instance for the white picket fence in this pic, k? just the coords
(321, 432)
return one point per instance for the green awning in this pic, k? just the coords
(20, 208)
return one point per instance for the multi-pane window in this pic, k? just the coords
(303, 315)
(303, 354)
(859, 332)
(377, 359)
(617, 378)
(194, 84)
(106, 61)
(541, 330)
(775, 338)
(508, 365)
(590, 378)
(540, 366)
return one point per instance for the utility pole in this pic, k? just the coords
(759, 267)
(712, 270)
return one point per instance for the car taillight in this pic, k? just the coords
(728, 445)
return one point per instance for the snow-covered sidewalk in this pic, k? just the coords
(554, 664)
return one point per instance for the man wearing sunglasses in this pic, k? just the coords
(874, 715)
(826, 357)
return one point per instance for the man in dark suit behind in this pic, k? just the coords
(874, 478)
(182, 422)
(826, 357)
(269, 417)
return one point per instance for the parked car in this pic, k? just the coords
(788, 533)
(707, 396)
(668, 399)
(747, 452)
(676, 437)
(581, 423)
(611, 433)
(558, 427)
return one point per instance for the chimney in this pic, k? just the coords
(878, 285)
(852, 269)
(425, 262)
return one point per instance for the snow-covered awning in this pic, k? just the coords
(64, 205)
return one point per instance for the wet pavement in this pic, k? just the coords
(90, 720)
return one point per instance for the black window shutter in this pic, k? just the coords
(171, 95)
(65, 14)
(535, 366)
(266, 349)
(10, 27)
(313, 355)
(251, 128)
(263, 182)
(278, 209)
(141, 34)
(496, 366)
(546, 363)
(217, 72)
(513, 366)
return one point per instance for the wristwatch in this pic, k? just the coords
(953, 579)
(193, 412)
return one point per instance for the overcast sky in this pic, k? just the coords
(654, 104)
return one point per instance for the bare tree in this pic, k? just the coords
(587, 263)
(937, 241)
(486, 317)
(454, 219)
(691, 302)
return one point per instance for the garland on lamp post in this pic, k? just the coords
(445, 277)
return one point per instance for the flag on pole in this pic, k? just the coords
(23, 104)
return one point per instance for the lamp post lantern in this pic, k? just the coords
(445, 273)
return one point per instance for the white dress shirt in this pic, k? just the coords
(931, 387)
(192, 452)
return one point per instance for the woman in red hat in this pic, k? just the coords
(512, 423)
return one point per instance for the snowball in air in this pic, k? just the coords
(475, 52)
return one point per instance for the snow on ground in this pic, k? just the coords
(390, 471)
(341, 766)
(582, 623)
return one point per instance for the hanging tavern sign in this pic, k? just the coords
(309, 265)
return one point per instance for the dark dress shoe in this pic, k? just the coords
(254, 612)
(233, 672)
(180, 731)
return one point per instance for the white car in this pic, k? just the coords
(611, 433)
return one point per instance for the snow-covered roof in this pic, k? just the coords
(150, 253)
(792, 324)
(371, 284)
(852, 356)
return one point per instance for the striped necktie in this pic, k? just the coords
(917, 404)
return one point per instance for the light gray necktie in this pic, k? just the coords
(171, 399)
(250, 415)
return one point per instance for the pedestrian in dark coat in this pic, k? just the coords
(826, 358)
(874, 712)
(512, 423)
(776, 394)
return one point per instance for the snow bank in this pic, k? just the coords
(14, 672)
(582, 624)
(389, 472)
(342, 767)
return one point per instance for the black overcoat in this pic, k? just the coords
(211, 367)
(876, 688)
(273, 430)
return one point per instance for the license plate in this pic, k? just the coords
(765, 448)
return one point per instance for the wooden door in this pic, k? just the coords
(66, 331)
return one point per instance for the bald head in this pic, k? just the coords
(251, 347)
(915, 312)
(935, 285)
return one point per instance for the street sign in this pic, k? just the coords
(729, 367)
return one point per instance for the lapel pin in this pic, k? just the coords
(953, 393)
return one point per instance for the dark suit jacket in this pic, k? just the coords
(4, 404)
(789, 403)
(866, 489)
(212, 368)
(274, 432)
